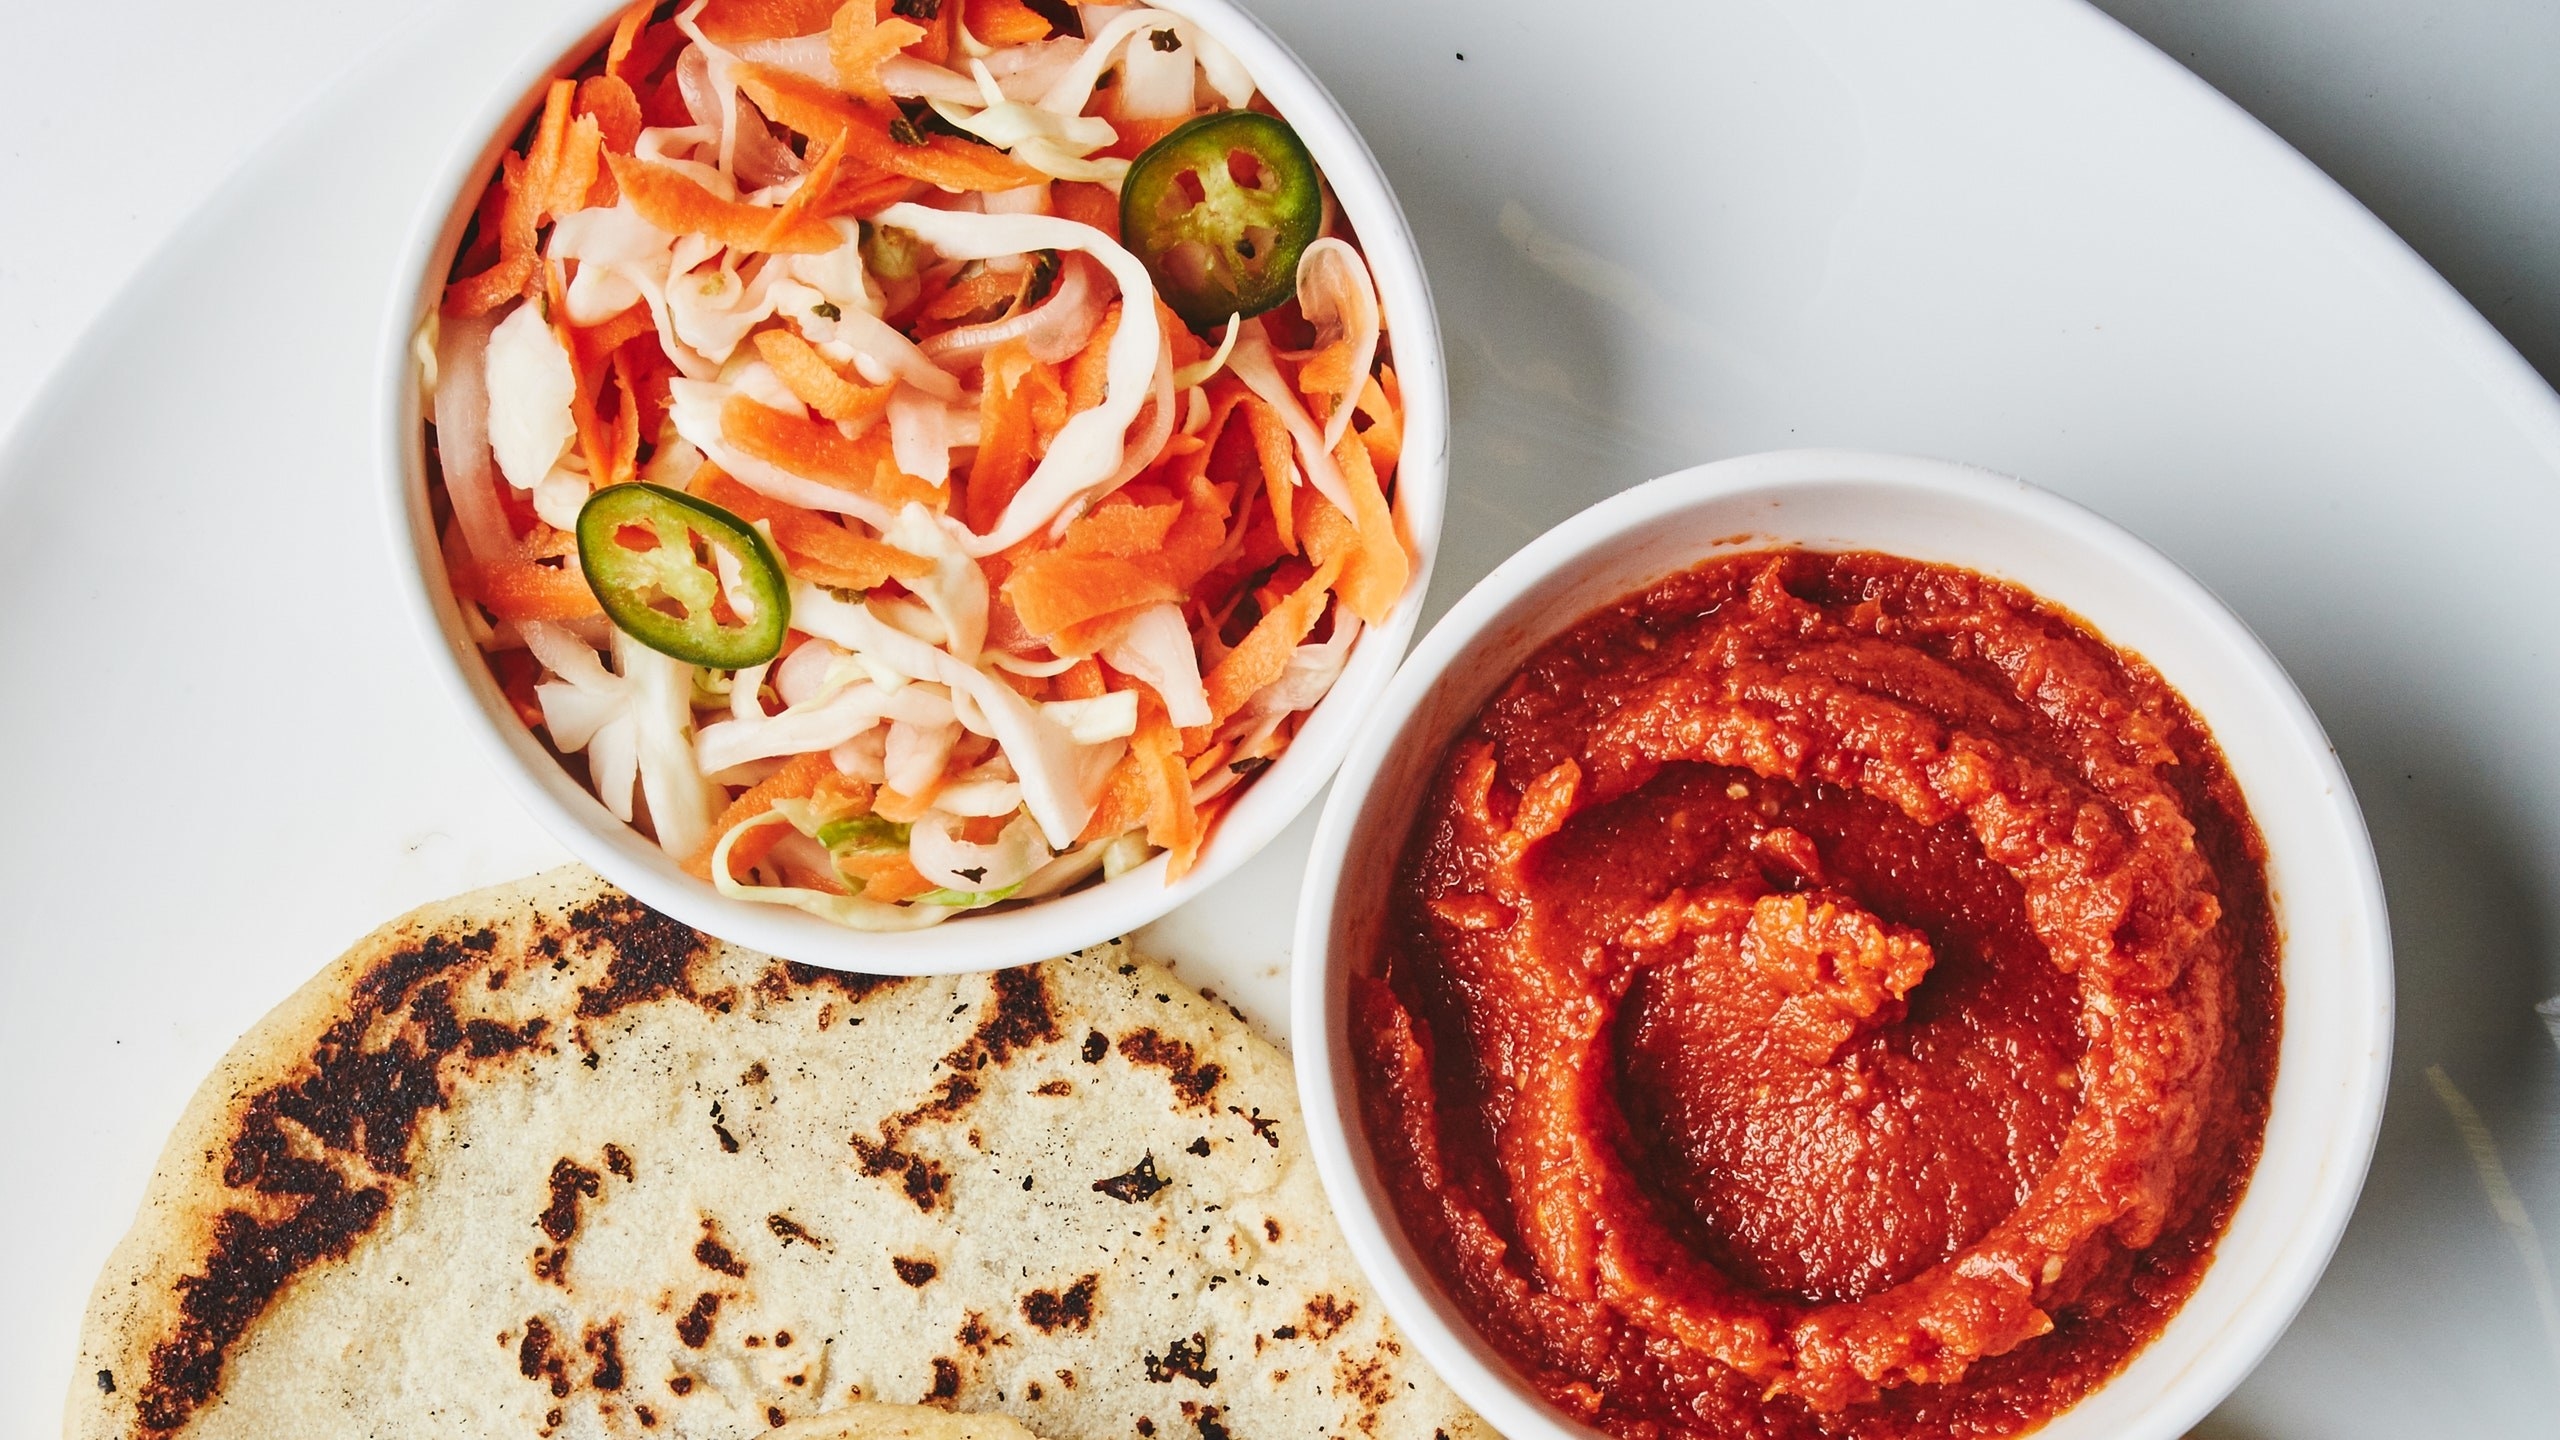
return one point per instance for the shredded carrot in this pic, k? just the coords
(1022, 406)
(815, 191)
(816, 450)
(971, 293)
(625, 461)
(1124, 530)
(609, 336)
(1374, 576)
(1134, 136)
(908, 809)
(1091, 637)
(1325, 379)
(816, 381)
(798, 779)
(1005, 22)
(859, 40)
(735, 22)
(1088, 373)
(1172, 823)
(1272, 443)
(608, 101)
(1082, 681)
(1385, 435)
(820, 112)
(817, 548)
(674, 202)
(1054, 589)
(522, 590)
(1264, 654)
(619, 52)
(1087, 204)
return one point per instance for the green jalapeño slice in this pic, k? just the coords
(1220, 210)
(654, 558)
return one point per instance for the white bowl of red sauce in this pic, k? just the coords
(1842, 943)
(1270, 790)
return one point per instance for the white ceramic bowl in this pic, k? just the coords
(965, 943)
(2336, 961)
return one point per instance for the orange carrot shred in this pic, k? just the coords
(819, 112)
(674, 202)
(815, 450)
(817, 382)
(858, 40)
(735, 22)
(1005, 22)
(1124, 530)
(1264, 654)
(798, 779)
(1054, 589)
(522, 590)
(619, 52)
(1087, 204)
(1172, 823)
(1373, 576)
(1082, 681)
(816, 547)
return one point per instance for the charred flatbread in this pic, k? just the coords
(541, 1162)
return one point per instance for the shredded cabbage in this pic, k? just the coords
(1055, 789)
(530, 386)
(1053, 144)
(1089, 449)
(1337, 297)
(1253, 364)
(851, 911)
(955, 864)
(1158, 650)
(1226, 74)
(956, 591)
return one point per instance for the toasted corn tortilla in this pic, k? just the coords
(540, 1162)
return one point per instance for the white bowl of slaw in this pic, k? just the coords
(995, 938)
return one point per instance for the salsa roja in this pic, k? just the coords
(1827, 995)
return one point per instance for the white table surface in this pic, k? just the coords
(2444, 117)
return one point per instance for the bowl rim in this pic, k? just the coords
(1033, 932)
(2250, 1324)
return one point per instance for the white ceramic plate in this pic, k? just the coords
(1659, 232)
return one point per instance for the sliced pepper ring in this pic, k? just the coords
(653, 558)
(1220, 210)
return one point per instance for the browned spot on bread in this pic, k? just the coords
(923, 1180)
(604, 1345)
(1139, 1182)
(1269, 1130)
(1327, 1315)
(917, 1273)
(680, 1384)
(773, 1416)
(1096, 1045)
(618, 1160)
(853, 985)
(1186, 1359)
(1020, 1017)
(1365, 1379)
(360, 1106)
(652, 955)
(712, 1255)
(538, 1358)
(975, 1335)
(648, 1418)
(1271, 1229)
(1055, 1087)
(695, 1328)
(1199, 1147)
(1206, 1421)
(569, 1180)
(946, 1380)
(1146, 1426)
(755, 1074)
(1195, 1082)
(1050, 1311)
(790, 1231)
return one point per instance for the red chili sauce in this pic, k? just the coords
(1826, 995)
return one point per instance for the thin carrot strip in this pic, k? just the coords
(812, 194)
(626, 424)
(1082, 681)
(1005, 22)
(1054, 589)
(1264, 654)
(1271, 442)
(1123, 530)
(798, 779)
(1021, 407)
(674, 202)
(735, 22)
(522, 590)
(1088, 371)
(1087, 204)
(1373, 576)
(815, 450)
(1172, 823)
(888, 878)
(817, 111)
(816, 381)
(858, 40)
(619, 52)
(1385, 435)
(817, 548)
